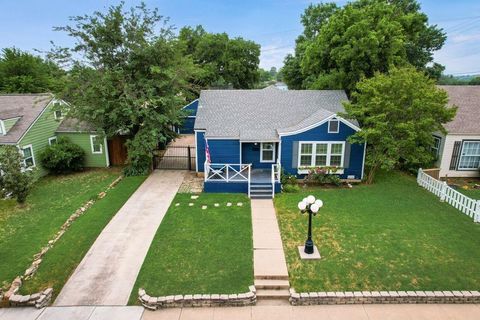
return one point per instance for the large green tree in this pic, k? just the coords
(127, 76)
(223, 61)
(23, 72)
(399, 112)
(340, 46)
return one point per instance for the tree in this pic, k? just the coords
(16, 180)
(63, 157)
(127, 76)
(22, 72)
(399, 112)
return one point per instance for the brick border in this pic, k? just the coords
(383, 297)
(38, 300)
(198, 300)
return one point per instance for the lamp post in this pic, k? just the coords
(312, 206)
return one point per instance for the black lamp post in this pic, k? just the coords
(312, 206)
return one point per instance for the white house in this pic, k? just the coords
(458, 152)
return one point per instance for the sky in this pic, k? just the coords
(274, 24)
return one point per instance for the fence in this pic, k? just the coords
(468, 206)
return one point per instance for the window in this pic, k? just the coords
(96, 144)
(333, 126)
(52, 140)
(58, 114)
(321, 154)
(267, 152)
(28, 158)
(436, 146)
(470, 156)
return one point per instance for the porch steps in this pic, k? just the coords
(272, 289)
(261, 191)
(271, 284)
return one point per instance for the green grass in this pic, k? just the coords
(60, 262)
(25, 229)
(392, 235)
(472, 193)
(200, 251)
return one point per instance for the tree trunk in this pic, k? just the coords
(371, 174)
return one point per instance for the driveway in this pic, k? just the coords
(108, 272)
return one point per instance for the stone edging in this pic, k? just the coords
(198, 300)
(382, 297)
(41, 299)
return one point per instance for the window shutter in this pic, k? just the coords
(295, 154)
(455, 155)
(346, 155)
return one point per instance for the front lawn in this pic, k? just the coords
(60, 262)
(392, 235)
(24, 230)
(200, 251)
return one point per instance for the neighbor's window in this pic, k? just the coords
(52, 141)
(320, 154)
(58, 114)
(2, 132)
(96, 143)
(28, 159)
(470, 157)
(333, 126)
(436, 146)
(267, 152)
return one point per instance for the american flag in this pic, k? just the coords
(207, 152)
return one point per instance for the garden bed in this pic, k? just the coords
(200, 251)
(392, 235)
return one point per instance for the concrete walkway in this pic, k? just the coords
(328, 312)
(108, 271)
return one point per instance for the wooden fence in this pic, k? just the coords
(467, 205)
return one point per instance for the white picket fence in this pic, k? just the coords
(467, 205)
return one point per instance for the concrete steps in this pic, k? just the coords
(281, 294)
(272, 284)
(261, 191)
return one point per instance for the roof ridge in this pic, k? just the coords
(25, 94)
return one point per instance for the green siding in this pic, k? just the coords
(9, 123)
(42, 129)
(83, 140)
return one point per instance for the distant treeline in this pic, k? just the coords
(459, 80)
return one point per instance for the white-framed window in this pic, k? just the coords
(437, 141)
(333, 126)
(2, 128)
(58, 114)
(52, 140)
(96, 144)
(470, 156)
(321, 154)
(28, 157)
(267, 152)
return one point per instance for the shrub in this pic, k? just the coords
(291, 188)
(323, 175)
(286, 178)
(138, 166)
(16, 180)
(63, 157)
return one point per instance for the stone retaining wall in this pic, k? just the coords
(383, 297)
(39, 300)
(198, 300)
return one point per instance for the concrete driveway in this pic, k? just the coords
(108, 272)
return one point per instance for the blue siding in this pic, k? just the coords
(189, 122)
(225, 187)
(320, 133)
(221, 151)
(191, 108)
(200, 149)
(251, 154)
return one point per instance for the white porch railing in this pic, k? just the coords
(227, 172)
(468, 206)
(275, 176)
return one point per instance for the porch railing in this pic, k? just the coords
(227, 172)
(276, 171)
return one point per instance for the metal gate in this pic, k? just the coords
(175, 157)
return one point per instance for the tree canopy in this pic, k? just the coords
(341, 45)
(398, 111)
(23, 72)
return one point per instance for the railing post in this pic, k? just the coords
(249, 167)
(189, 159)
(205, 170)
(476, 217)
(443, 192)
(419, 176)
(227, 166)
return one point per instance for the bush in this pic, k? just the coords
(63, 157)
(323, 175)
(291, 188)
(16, 180)
(286, 178)
(138, 166)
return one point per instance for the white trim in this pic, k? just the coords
(314, 153)
(189, 104)
(273, 153)
(463, 155)
(338, 125)
(3, 131)
(107, 156)
(290, 133)
(51, 139)
(93, 136)
(55, 114)
(259, 141)
(190, 116)
(33, 156)
(279, 156)
(197, 149)
(364, 154)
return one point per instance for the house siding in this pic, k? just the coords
(38, 135)
(200, 149)
(251, 154)
(446, 156)
(189, 121)
(221, 151)
(320, 133)
(9, 123)
(82, 139)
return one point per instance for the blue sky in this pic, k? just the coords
(27, 24)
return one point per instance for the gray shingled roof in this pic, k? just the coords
(467, 99)
(260, 115)
(75, 125)
(26, 106)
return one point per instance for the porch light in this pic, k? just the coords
(311, 206)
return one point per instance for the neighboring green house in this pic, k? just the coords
(33, 121)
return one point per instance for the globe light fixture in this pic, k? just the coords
(312, 206)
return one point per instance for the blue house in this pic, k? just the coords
(189, 120)
(250, 136)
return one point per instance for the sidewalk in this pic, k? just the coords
(108, 271)
(327, 312)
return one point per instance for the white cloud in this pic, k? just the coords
(272, 55)
(465, 38)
